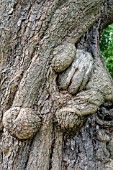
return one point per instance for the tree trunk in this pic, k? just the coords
(56, 93)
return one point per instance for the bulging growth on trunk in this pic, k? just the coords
(57, 95)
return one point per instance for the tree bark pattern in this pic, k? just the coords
(30, 33)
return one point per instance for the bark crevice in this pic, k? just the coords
(31, 33)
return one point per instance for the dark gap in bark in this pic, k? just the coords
(108, 105)
(52, 148)
(90, 40)
(1, 152)
(103, 113)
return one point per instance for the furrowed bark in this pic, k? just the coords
(43, 124)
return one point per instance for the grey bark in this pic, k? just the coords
(56, 94)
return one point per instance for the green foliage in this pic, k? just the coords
(106, 47)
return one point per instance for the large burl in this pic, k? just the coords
(87, 80)
(22, 123)
(82, 77)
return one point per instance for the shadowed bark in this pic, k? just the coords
(56, 94)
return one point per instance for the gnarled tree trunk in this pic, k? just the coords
(57, 95)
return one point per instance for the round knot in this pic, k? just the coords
(68, 120)
(63, 56)
(22, 123)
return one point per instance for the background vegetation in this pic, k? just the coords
(106, 47)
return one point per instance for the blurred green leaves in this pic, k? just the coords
(106, 47)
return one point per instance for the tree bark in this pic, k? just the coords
(56, 94)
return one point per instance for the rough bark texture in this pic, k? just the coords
(56, 94)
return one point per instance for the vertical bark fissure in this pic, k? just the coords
(52, 148)
(39, 156)
(29, 152)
